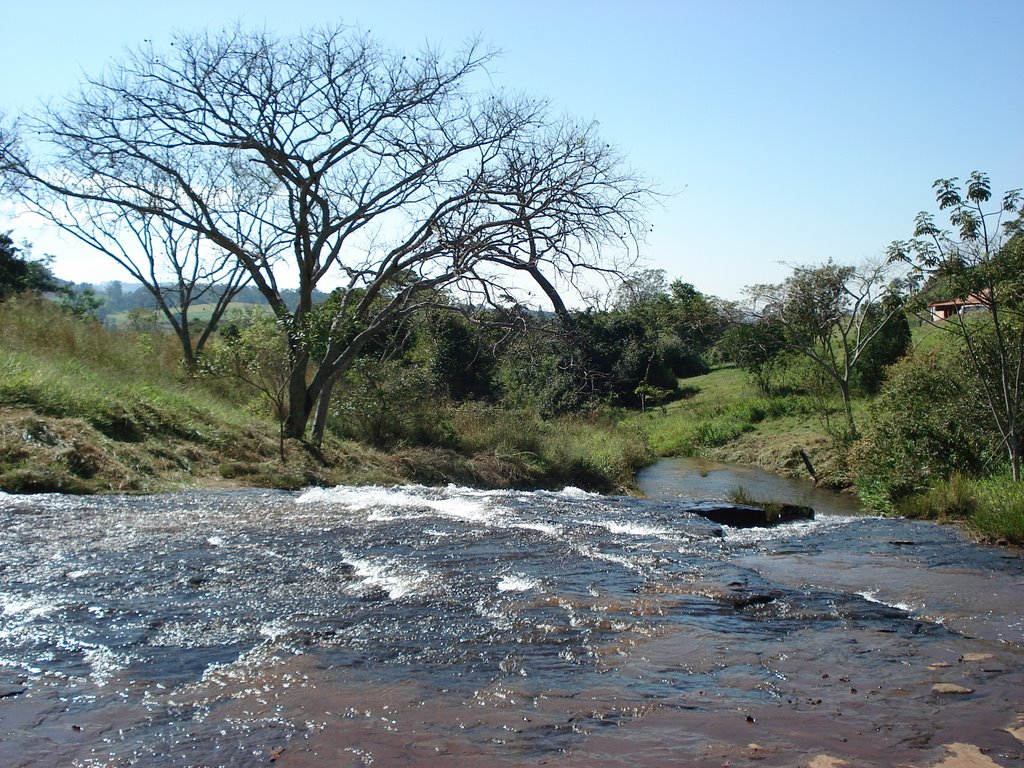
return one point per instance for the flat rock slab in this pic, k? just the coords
(951, 689)
(749, 515)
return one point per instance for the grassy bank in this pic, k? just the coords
(724, 417)
(992, 508)
(88, 409)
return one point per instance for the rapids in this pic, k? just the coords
(418, 626)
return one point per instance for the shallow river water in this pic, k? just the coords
(416, 626)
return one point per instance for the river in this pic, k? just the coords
(417, 626)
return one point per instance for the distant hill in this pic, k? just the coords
(120, 298)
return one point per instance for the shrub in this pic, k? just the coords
(925, 424)
(389, 403)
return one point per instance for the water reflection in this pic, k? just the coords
(685, 477)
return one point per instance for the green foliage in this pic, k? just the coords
(999, 513)
(890, 344)
(980, 264)
(18, 272)
(830, 315)
(757, 348)
(593, 451)
(924, 425)
(951, 498)
(388, 403)
(92, 408)
(487, 428)
(990, 507)
(83, 303)
(460, 356)
(252, 349)
(540, 372)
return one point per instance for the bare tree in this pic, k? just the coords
(175, 265)
(9, 149)
(333, 138)
(830, 314)
(981, 266)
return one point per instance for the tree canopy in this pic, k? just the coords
(20, 273)
(328, 158)
(831, 315)
(981, 262)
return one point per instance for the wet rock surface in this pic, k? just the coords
(751, 516)
(413, 626)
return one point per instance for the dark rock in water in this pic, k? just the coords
(750, 516)
(11, 689)
(745, 601)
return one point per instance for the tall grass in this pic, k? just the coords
(992, 507)
(122, 383)
(592, 450)
(1000, 509)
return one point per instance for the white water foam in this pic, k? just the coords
(546, 528)
(872, 597)
(632, 529)
(517, 583)
(24, 608)
(785, 531)
(572, 492)
(386, 575)
(388, 504)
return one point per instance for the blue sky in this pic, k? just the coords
(789, 132)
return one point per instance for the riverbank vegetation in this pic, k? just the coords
(84, 408)
(413, 212)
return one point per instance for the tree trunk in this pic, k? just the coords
(851, 428)
(323, 405)
(300, 400)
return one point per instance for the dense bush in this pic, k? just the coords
(386, 403)
(926, 424)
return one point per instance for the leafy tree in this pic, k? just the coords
(655, 334)
(830, 315)
(757, 347)
(545, 371)
(20, 273)
(695, 322)
(981, 263)
(82, 302)
(460, 351)
(890, 344)
(328, 157)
